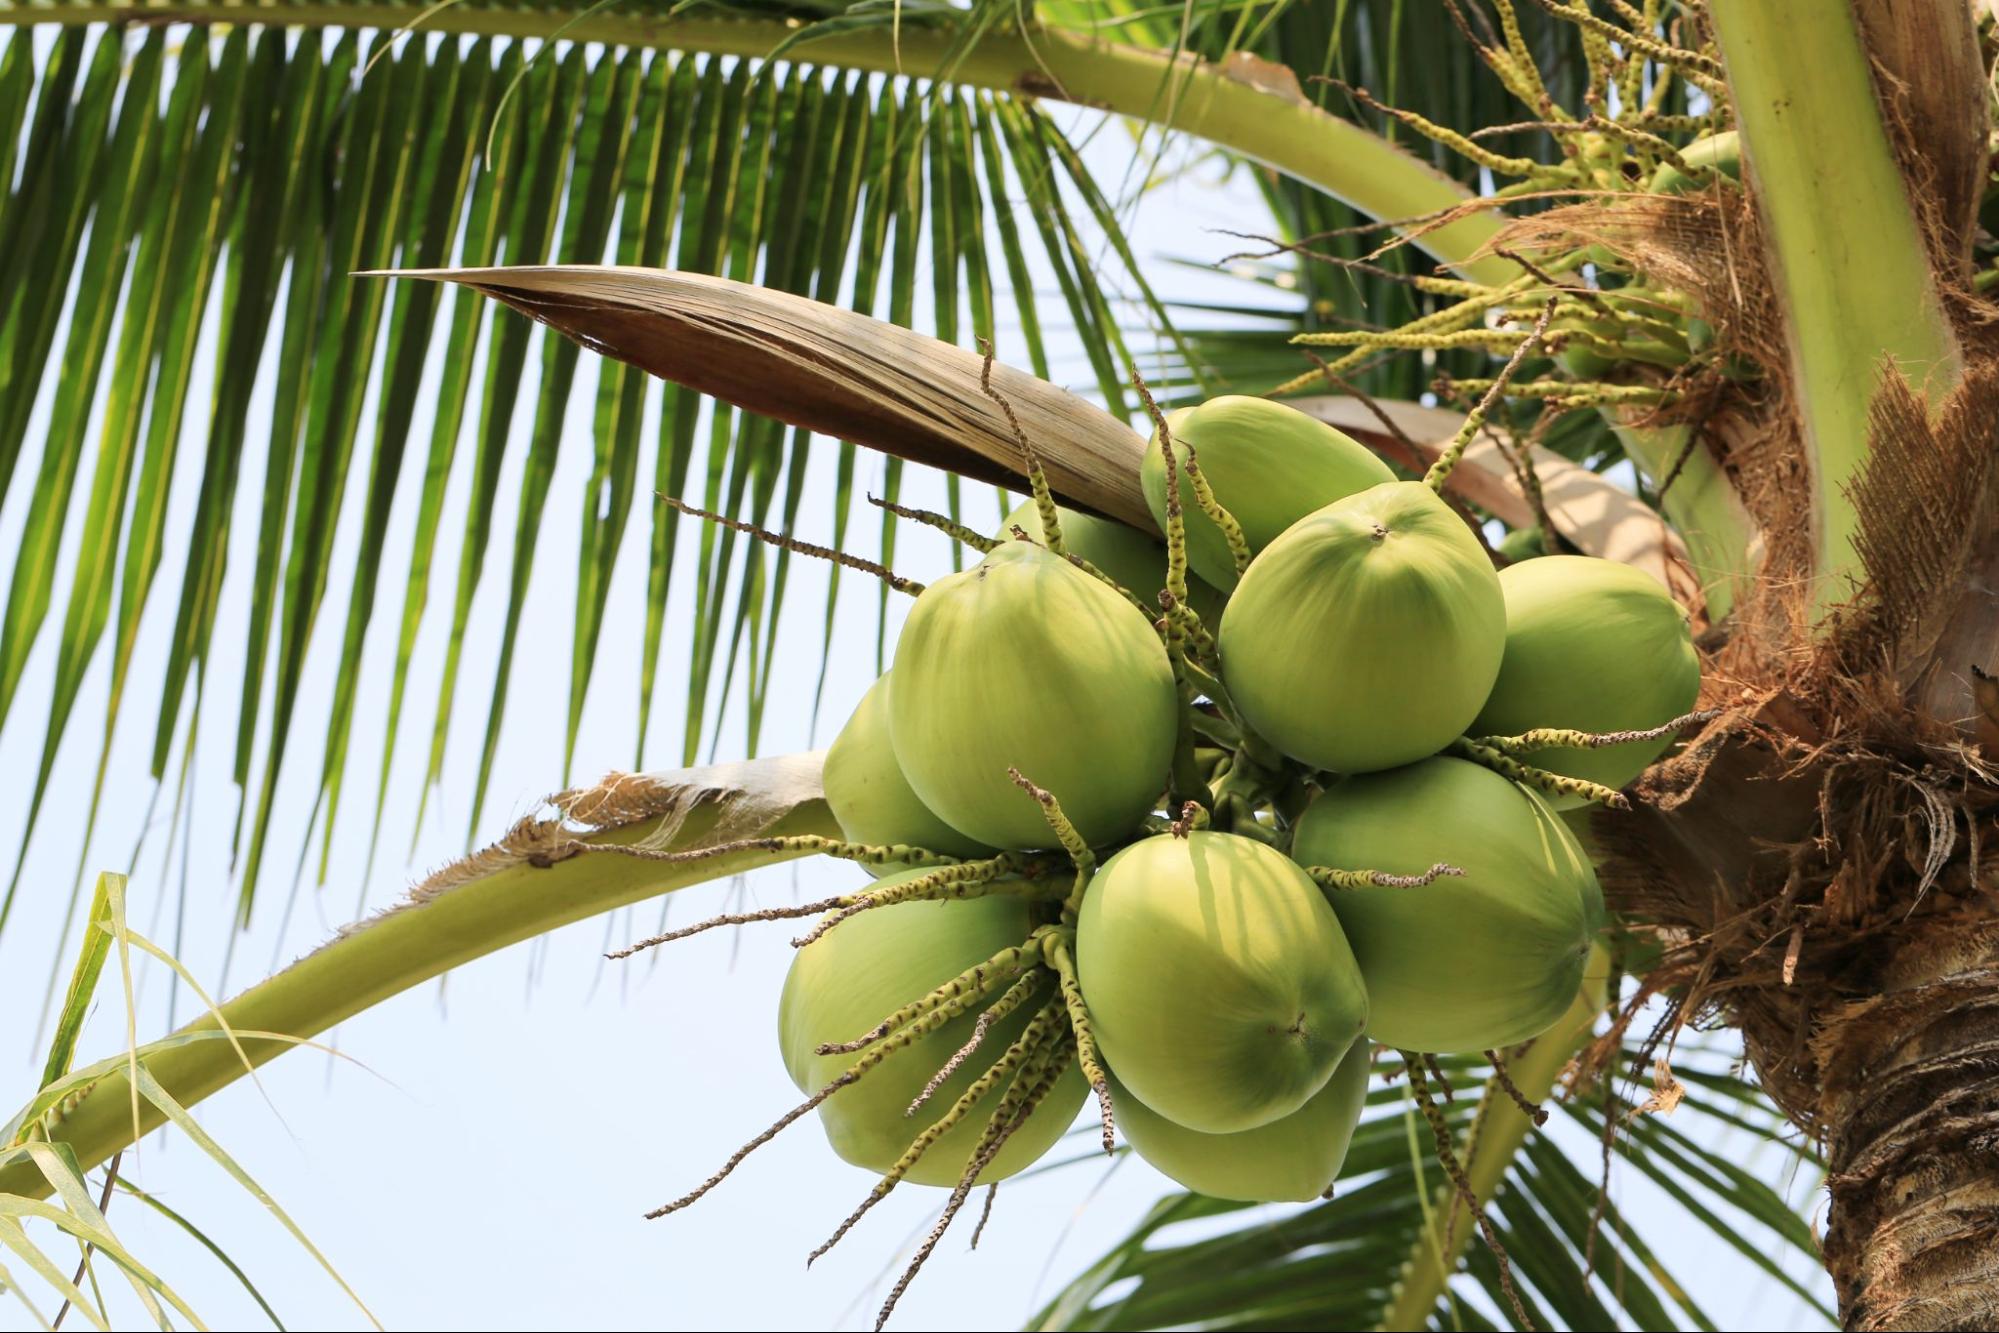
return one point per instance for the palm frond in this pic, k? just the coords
(1410, 57)
(631, 837)
(171, 178)
(1579, 1259)
(44, 1180)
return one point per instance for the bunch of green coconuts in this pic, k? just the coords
(1197, 825)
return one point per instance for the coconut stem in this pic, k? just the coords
(985, 1213)
(1461, 315)
(1571, 393)
(901, 853)
(759, 1141)
(882, 572)
(974, 982)
(1037, 480)
(1204, 495)
(997, 1133)
(1055, 947)
(957, 532)
(1253, 746)
(1522, 75)
(1498, 163)
(907, 1037)
(1176, 521)
(1098, 574)
(1326, 877)
(1541, 737)
(970, 879)
(1436, 1071)
(1555, 784)
(1019, 1057)
(1021, 534)
(1419, 1087)
(1679, 57)
(1066, 834)
(1401, 340)
(732, 919)
(861, 852)
(1522, 461)
(1440, 471)
(1538, 1114)
(1014, 996)
(1654, 150)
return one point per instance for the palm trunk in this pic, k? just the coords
(1815, 856)
(1866, 987)
(1911, 1105)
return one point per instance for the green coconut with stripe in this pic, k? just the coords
(1219, 983)
(1368, 635)
(1024, 661)
(1269, 465)
(1294, 1159)
(870, 797)
(846, 981)
(1473, 962)
(1591, 645)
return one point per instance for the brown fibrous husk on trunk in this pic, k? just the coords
(1820, 864)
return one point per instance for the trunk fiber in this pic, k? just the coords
(1911, 1122)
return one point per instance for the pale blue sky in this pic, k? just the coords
(489, 1166)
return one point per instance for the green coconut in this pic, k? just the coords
(1368, 635)
(1219, 984)
(1591, 645)
(1522, 544)
(1137, 562)
(1025, 661)
(1295, 1159)
(1464, 963)
(871, 798)
(850, 978)
(1269, 465)
(1722, 152)
(1584, 361)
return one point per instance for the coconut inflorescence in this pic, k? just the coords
(1201, 859)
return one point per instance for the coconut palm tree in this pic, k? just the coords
(1787, 352)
